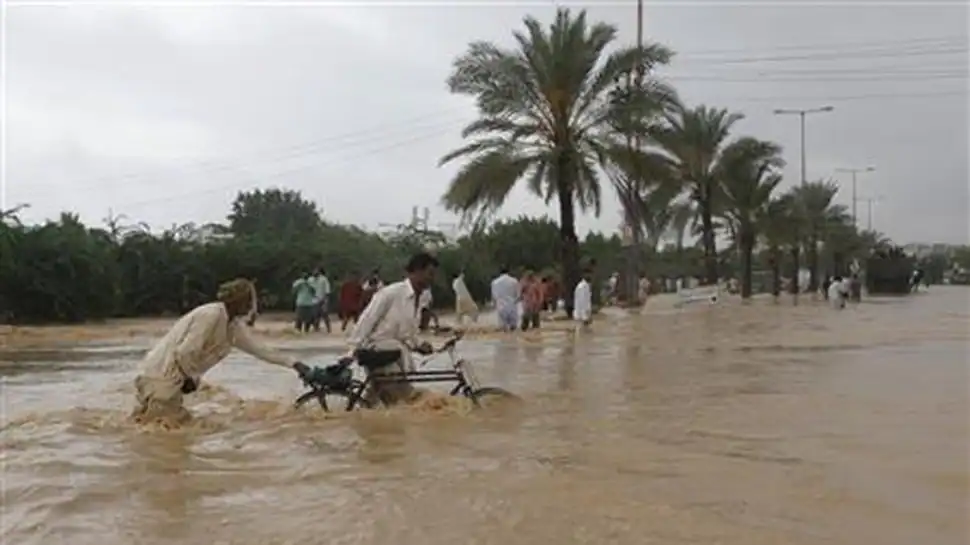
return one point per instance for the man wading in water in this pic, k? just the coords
(196, 343)
(387, 330)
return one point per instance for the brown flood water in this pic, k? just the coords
(730, 424)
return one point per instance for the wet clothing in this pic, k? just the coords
(349, 301)
(552, 295)
(533, 299)
(465, 305)
(389, 323)
(583, 302)
(505, 293)
(306, 295)
(306, 304)
(838, 292)
(321, 288)
(196, 343)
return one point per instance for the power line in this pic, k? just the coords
(833, 56)
(837, 98)
(294, 151)
(264, 179)
(944, 40)
(821, 79)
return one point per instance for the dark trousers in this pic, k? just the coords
(322, 313)
(306, 315)
(530, 320)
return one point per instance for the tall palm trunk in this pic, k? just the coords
(796, 254)
(775, 257)
(811, 256)
(746, 245)
(570, 244)
(707, 236)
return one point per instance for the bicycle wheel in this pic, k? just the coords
(332, 400)
(491, 395)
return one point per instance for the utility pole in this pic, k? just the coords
(630, 231)
(801, 115)
(854, 172)
(869, 201)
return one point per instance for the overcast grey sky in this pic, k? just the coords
(164, 113)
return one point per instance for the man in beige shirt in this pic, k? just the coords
(196, 343)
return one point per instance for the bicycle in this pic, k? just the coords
(338, 380)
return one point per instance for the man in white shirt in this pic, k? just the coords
(583, 300)
(387, 330)
(465, 305)
(838, 292)
(196, 343)
(321, 288)
(505, 294)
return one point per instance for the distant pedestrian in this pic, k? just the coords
(305, 303)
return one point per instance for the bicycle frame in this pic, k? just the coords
(460, 373)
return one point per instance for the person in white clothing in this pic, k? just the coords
(465, 305)
(612, 287)
(387, 330)
(505, 294)
(321, 288)
(196, 343)
(583, 300)
(838, 292)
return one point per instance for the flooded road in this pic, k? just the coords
(730, 424)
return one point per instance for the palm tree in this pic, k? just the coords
(695, 140)
(656, 212)
(815, 199)
(548, 117)
(775, 227)
(682, 215)
(748, 175)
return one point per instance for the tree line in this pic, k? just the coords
(65, 271)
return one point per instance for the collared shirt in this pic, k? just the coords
(505, 291)
(391, 319)
(321, 287)
(305, 294)
(201, 339)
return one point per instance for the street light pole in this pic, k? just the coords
(869, 202)
(801, 115)
(623, 92)
(854, 172)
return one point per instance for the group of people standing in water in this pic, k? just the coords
(312, 291)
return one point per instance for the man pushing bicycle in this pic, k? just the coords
(387, 331)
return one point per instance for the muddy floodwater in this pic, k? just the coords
(729, 424)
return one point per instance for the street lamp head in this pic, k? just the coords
(870, 169)
(826, 108)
